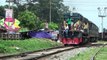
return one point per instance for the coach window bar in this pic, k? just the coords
(102, 14)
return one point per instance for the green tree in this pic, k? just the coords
(41, 8)
(57, 10)
(28, 19)
(2, 11)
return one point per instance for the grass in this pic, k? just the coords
(86, 55)
(102, 55)
(101, 42)
(18, 46)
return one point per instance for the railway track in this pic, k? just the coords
(34, 55)
(94, 56)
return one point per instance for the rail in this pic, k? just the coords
(93, 56)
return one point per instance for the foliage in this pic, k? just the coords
(18, 46)
(38, 24)
(82, 55)
(89, 53)
(102, 55)
(42, 25)
(23, 30)
(53, 26)
(2, 12)
(41, 8)
(56, 10)
(27, 19)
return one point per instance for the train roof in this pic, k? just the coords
(78, 15)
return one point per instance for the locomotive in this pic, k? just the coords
(80, 31)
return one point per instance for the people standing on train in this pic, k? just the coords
(64, 24)
(69, 22)
(85, 27)
(77, 25)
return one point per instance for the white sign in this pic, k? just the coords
(9, 13)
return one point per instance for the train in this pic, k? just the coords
(80, 31)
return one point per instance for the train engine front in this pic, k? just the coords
(75, 29)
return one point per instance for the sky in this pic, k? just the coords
(88, 8)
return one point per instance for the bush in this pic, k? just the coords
(53, 26)
(28, 19)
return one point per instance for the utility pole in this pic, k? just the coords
(102, 15)
(50, 11)
(9, 4)
(9, 1)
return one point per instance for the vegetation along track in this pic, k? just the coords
(94, 56)
(42, 53)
